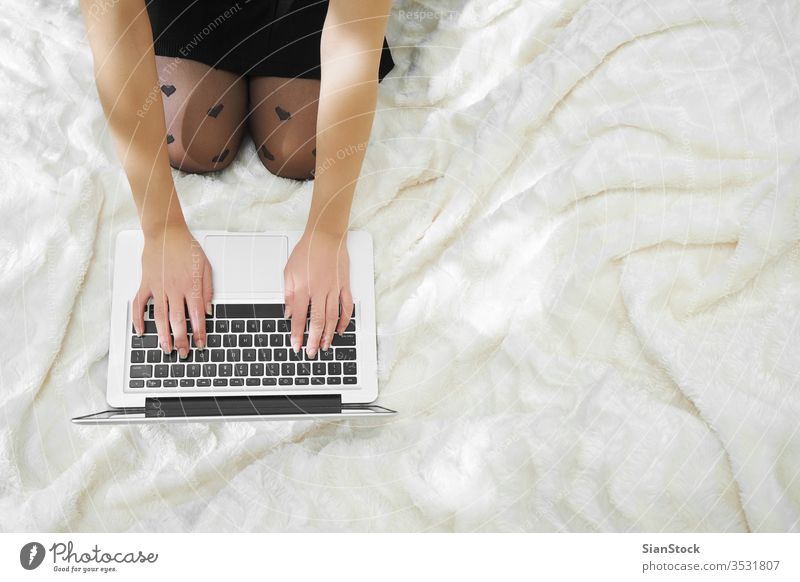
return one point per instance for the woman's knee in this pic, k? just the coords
(289, 156)
(199, 160)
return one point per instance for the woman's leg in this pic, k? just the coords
(205, 111)
(283, 123)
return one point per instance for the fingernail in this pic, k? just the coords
(208, 308)
(138, 332)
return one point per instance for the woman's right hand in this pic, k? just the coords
(175, 272)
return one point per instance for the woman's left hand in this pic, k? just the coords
(318, 271)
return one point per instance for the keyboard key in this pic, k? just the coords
(222, 326)
(240, 369)
(279, 354)
(272, 369)
(252, 382)
(268, 325)
(300, 381)
(316, 380)
(351, 325)
(177, 370)
(334, 368)
(137, 357)
(350, 379)
(264, 354)
(220, 382)
(284, 325)
(248, 355)
(285, 381)
(251, 311)
(245, 340)
(261, 340)
(151, 311)
(136, 384)
(287, 369)
(203, 382)
(218, 355)
(349, 368)
(202, 355)
(154, 383)
(146, 341)
(237, 381)
(333, 380)
(233, 355)
(269, 381)
(170, 357)
(171, 383)
(237, 325)
(326, 354)
(229, 341)
(295, 357)
(150, 327)
(226, 370)
(347, 339)
(275, 340)
(214, 340)
(187, 383)
(318, 368)
(162, 371)
(209, 370)
(193, 370)
(303, 369)
(345, 354)
(141, 371)
(256, 369)
(153, 356)
(188, 357)
(209, 325)
(253, 325)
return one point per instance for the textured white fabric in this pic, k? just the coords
(586, 218)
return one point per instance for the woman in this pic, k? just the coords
(181, 81)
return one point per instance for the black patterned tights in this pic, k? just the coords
(207, 111)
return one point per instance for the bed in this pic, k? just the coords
(586, 218)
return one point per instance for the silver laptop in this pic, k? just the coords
(247, 370)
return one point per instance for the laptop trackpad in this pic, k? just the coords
(246, 264)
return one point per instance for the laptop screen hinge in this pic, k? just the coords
(242, 405)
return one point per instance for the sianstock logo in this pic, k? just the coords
(31, 555)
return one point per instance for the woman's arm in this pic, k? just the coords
(127, 83)
(173, 264)
(352, 39)
(318, 271)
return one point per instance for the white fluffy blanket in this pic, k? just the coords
(586, 217)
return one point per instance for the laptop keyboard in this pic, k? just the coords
(247, 345)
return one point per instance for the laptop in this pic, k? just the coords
(247, 371)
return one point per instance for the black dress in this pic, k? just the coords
(279, 38)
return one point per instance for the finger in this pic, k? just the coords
(208, 288)
(317, 325)
(299, 309)
(331, 317)
(137, 309)
(177, 319)
(346, 299)
(161, 314)
(288, 295)
(198, 318)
